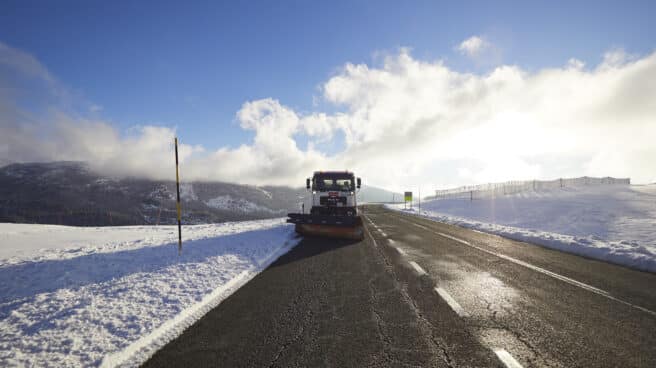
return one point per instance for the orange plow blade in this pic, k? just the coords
(345, 227)
(343, 232)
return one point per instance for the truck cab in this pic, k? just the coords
(333, 193)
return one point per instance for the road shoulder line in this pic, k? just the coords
(551, 274)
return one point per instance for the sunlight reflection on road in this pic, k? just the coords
(479, 292)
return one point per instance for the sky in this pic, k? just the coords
(421, 94)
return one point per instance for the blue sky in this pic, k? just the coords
(193, 65)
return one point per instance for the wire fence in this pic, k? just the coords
(472, 192)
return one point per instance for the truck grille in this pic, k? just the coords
(332, 201)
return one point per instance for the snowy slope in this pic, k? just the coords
(229, 203)
(70, 193)
(614, 223)
(114, 295)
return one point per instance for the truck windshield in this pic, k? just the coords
(324, 183)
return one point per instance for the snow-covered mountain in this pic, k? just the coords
(69, 193)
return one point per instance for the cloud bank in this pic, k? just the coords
(404, 123)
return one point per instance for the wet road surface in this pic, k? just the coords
(420, 293)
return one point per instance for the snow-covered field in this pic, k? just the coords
(112, 296)
(614, 223)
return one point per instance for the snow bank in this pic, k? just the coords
(614, 223)
(114, 295)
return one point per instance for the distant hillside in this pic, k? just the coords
(69, 193)
(373, 194)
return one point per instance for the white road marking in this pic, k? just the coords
(392, 244)
(370, 237)
(533, 267)
(417, 268)
(376, 227)
(456, 239)
(451, 302)
(421, 226)
(554, 275)
(507, 359)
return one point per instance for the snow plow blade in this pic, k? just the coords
(344, 227)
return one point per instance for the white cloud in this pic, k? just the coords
(405, 123)
(473, 46)
(575, 63)
(616, 58)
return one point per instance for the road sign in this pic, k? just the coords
(408, 196)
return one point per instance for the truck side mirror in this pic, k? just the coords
(359, 183)
(307, 183)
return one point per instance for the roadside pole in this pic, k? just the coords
(177, 188)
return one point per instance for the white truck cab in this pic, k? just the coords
(333, 193)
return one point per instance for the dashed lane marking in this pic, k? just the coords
(417, 268)
(392, 243)
(554, 275)
(533, 267)
(377, 228)
(370, 237)
(507, 359)
(451, 302)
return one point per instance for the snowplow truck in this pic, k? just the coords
(334, 211)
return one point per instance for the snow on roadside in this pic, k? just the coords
(614, 223)
(114, 295)
(28, 242)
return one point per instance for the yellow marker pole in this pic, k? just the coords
(177, 186)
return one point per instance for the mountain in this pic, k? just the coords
(70, 193)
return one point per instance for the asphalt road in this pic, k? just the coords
(421, 293)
